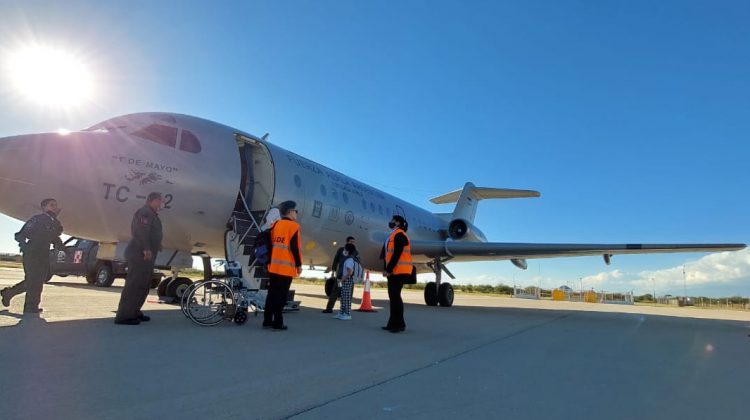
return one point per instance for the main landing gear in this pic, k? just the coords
(172, 289)
(436, 292)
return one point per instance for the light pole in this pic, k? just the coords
(653, 280)
(580, 279)
(684, 283)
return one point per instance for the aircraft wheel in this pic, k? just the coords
(104, 275)
(329, 286)
(155, 282)
(161, 290)
(430, 294)
(445, 295)
(177, 287)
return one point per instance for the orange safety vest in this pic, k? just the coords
(282, 259)
(403, 266)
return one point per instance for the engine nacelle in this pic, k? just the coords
(462, 230)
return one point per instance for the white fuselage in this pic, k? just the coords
(101, 175)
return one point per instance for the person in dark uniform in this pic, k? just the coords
(396, 255)
(34, 240)
(335, 270)
(285, 264)
(140, 254)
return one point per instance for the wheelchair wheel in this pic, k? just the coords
(210, 302)
(187, 296)
(240, 317)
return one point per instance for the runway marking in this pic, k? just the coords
(432, 364)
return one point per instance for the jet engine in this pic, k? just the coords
(462, 230)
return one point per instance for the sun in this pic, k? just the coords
(50, 76)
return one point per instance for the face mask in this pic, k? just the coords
(391, 225)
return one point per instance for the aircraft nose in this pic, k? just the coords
(19, 158)
(20, 173)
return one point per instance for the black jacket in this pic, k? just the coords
(146, 231)
(39, 232)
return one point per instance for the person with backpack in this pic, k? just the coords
(336, 270)
(351, 270)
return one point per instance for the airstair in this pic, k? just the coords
(243, 229)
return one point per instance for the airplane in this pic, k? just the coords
(218, 184)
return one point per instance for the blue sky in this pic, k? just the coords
(631, 118)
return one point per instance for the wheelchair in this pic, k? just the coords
(210, 302)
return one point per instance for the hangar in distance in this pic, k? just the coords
(218, 183)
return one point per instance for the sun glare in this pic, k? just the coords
(50, 76)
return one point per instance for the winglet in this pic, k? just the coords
(465, 198)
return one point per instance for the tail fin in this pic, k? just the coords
(466, 198)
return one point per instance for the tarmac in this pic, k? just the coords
(485, 357)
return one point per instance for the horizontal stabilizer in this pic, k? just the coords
(466, 199)
(484, 193)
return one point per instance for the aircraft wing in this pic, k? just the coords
(488, 251)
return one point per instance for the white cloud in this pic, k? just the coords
(713, 270)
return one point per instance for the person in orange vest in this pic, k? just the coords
(396, 254)
(285, 264)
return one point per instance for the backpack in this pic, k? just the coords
(358, 275)
(262, 247)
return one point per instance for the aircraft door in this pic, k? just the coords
(258, 183)
(248, 180)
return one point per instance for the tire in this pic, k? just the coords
(240, 317)
(49, 277)
(445, 295)
(104, 275)
(155, 281)
(91, 277)
(329, 286)
(177, 287)
(430, 294)
(161, 289)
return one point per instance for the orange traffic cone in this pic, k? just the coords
(366, 304)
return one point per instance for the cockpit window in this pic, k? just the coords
(189, 143)
(165, 118)
(158, 133)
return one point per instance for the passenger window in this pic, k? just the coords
(158, 133)
(189, 143)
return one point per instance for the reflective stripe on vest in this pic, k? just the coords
(403, 265)
(282, 260)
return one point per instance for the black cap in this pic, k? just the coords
(286, 206)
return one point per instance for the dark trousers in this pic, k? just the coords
(334, 295)
(36, 270)
(278, 291)
(395, 284)
(137, 285)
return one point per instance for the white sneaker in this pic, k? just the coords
(345, 317)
